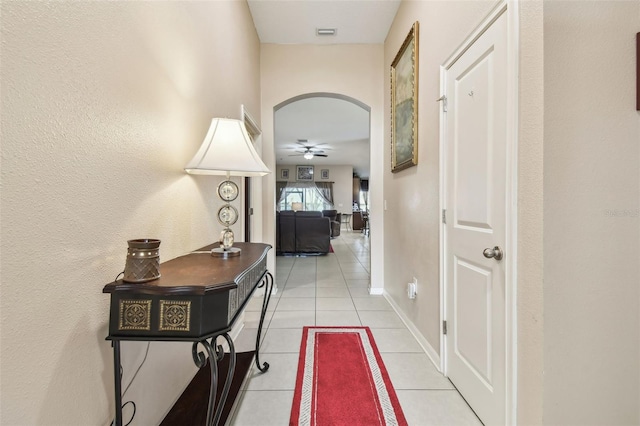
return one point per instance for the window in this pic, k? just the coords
(364, 200)
(291, 195)
(309, 197)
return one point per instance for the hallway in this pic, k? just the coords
(332, 290)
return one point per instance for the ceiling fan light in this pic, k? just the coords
(308, 155)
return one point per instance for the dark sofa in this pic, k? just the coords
(302, 232)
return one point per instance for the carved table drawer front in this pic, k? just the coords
(135, 314)
(161, 317)
(174, 315)
(246, 283)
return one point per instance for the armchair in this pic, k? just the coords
(335, 219)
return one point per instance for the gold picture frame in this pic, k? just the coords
(404, 103)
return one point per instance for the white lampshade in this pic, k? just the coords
(227, 149)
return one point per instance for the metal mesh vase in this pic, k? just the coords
(143, 261)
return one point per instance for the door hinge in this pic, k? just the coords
(444, 327)
(250, 211)
(443, 98)
(444, 216)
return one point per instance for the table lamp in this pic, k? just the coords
(227, 150)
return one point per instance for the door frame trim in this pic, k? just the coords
(254, 130)
(510, 7)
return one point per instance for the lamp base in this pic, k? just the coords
(230, 252)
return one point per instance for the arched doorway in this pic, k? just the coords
(337, 129)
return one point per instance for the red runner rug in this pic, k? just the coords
(342, 381)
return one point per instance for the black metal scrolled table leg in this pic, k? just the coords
(117, 381)
(267, 283)
(200, 360)
(229, 379)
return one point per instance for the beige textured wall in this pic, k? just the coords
(352, 70)
(591, 213)
(103, 103)
(530, 318)
(412, 221)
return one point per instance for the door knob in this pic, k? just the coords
(495, 253)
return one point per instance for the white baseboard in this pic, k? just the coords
(376, 291)
(237, 328)
(234, 332)
(433, 355)
(260, 291)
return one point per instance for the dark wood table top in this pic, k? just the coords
(197, 273)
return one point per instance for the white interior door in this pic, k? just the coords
(475, 199)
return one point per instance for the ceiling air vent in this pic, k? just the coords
(326, 31)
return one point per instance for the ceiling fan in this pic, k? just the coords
(308, 151)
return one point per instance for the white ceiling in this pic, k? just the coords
(340, 125)
(295, 21)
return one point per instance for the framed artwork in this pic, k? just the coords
(404, 104)
(284, 174)
(324, 174)
(304, 173)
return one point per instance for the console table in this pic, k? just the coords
(198, 299)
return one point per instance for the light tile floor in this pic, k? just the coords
(332, 290)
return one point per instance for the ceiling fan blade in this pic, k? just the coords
(314, 154)
(304, 144)
(318, 153)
